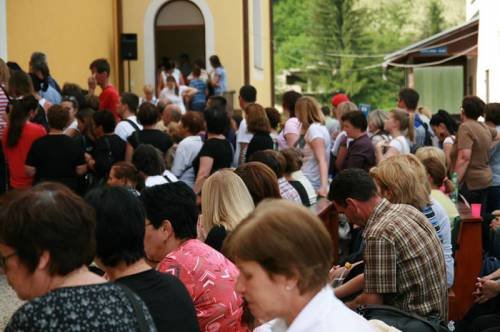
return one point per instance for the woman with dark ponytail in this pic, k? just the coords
(445, 128)
(17, 140)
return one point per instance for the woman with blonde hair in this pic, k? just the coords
(425, 114)
(426, 152)
(225, 201)
(400, 126)
(316, 148)
(376, 120)
(403, 180)
(285, 278)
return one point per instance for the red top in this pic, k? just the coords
(210, 279)
(16, 156)
(108, 100)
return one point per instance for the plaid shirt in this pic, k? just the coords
(288, 192)
(404, 261)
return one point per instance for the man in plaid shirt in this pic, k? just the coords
(404, 263)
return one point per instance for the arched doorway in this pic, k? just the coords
(179, 34)
(154, 7)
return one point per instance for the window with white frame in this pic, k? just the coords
(258, 59)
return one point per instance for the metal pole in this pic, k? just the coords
(487, 80)
(128, 65)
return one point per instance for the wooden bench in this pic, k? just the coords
(325, 210)
(468, 261)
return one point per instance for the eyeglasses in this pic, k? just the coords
(68, 98)
(3, 260)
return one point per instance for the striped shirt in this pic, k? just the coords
(287, 191)
(3, 108)
(404, 261)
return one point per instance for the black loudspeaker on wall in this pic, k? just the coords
(128, 46)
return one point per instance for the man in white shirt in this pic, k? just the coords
(247, 96)
(127, 110)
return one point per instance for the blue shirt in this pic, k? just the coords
(51, 95)
(222, 85)
(495, 163)
(199, 97)
(441, 223)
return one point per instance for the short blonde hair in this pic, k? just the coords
(308, 111)
(378, 117)
(427, 152)
(405, 178)
(285, 239)
(424, 111)
(343, 108)
(225, 200)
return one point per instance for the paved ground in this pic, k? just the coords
(8, 302)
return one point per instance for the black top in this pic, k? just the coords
(167, 299)
(107, 151)
(155, 137)
(85, 142)
(55, 158)
(304, 197)
(360, 154)
(101, 307)
(216, 236)
(260, 141)
(219, 150)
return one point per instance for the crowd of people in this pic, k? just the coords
(170, 211)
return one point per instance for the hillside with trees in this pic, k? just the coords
(339, 45)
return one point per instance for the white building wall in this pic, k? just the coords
(471, 9)
(3, 30)
(488, 64)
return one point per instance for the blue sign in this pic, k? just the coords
(443, 50)
(365, 108)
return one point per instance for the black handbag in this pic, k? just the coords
(402, 320)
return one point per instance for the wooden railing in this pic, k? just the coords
(468, 261)
(325, 210)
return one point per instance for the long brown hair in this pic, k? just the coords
(406, 122)
(308, 111)
(437, 172)
(18, 116)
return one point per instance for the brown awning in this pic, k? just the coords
(439, 48)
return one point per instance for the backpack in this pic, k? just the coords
(108, 159)
(402, 320)
(427, 135)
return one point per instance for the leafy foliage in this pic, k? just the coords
(436, 22)
(310, 36)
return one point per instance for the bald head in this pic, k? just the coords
(171, 113)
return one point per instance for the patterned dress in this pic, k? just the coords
(210, 279)
(101, 307)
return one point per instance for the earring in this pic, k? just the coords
(288, 287)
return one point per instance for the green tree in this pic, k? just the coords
(291, 42)
(338, 28)
(435, 22)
